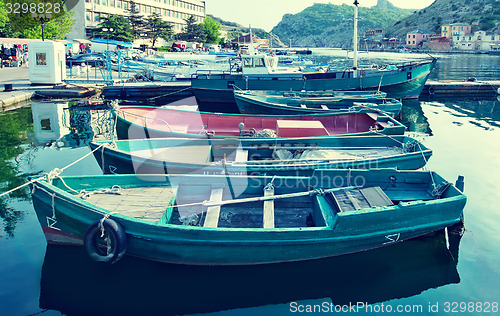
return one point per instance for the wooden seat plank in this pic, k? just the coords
(241, 156)
(213, 212)
(269, 209)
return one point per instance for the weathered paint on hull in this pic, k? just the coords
(348, 232)
(121, 162)
(126, 129)
(182, 246)
(250, 106)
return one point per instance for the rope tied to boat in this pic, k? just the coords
(440, 189)
(425, 167)
(410, 147)
(52, 175)
(101, 222)
(270, 185)
(318, 191)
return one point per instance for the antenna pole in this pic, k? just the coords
(355, 39)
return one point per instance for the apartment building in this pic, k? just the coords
(413, 39)
(479, 41)
(87, 13)
(455, 29)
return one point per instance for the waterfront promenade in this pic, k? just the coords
(22, 90)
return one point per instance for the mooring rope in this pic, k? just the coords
(425, 167)
(52, 174)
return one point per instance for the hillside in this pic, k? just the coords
(482, 14)
(235, 30)
(329, 25)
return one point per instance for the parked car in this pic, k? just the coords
(91, 59)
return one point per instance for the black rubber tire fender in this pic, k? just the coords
(118, 243)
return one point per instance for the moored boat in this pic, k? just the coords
(240, 220)
(293, 103)
(134, 122)
(214, 92)
(291, 157)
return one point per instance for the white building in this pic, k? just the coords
(87, 13)
(479, 41)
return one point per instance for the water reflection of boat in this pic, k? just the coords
(414, 118)
(485, 109)
(74, 285)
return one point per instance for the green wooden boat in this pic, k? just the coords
(291, 156)
(139, 122)
(241, 220)
(294, 103)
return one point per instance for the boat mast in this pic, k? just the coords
(251, 50)
(355, 39)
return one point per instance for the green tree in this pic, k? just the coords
(193, 32)
(211, 29)
(14, 127)
(486, 23)
(3, 15)
(122, 30)
(136, 19)
(157, 28)
(57, 28)
(21, 22)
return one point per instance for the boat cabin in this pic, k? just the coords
(264, 65)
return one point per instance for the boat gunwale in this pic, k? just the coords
(75, 200)
(423, 151)
(168, 130)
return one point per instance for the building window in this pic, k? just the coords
(88, 16)
(413, 35)
(119, 4)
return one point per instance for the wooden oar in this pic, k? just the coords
(277, 197)
(300, 148)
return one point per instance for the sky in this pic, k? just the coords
(266, 14)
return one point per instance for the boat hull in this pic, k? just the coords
(249, 104)
(149, 122)
(118, 160)
(346, 232)
(156, 93)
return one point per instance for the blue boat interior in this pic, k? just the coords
(236, 201)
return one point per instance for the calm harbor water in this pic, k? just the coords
(464, 134)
